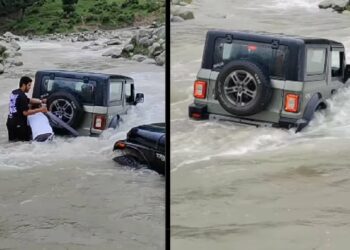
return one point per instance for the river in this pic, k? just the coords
(242, 187)
(70, 194)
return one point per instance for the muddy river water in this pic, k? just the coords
(70, 194)
(241, 187)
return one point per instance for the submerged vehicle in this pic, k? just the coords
(144, 144)
(267, 79)
(87, 102)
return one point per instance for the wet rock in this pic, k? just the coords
(114, 42)
(149, 61)
(177, 19)
(138, 58)
(160, 60)
(15, 46)
(13, 62)
(155, 50)
(11, 36)
(160, 33)
(115, 53)
(128, 48)
(145, 42)
(187, 14)
(86, 47)
(337, 5)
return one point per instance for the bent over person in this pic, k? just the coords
(40, 126)
(18, 129)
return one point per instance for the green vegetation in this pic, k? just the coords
(51, 16)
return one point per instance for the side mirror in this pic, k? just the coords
(346, 73)
(139, 98)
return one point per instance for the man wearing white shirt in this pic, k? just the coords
(41, 128)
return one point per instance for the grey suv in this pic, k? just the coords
(266, 79)
(87, 102)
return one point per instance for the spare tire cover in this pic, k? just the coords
(242, 88)
(66, 107)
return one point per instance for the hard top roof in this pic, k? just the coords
(262, 35)
(83, 74)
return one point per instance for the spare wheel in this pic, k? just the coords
(66, 107)
(243, 88)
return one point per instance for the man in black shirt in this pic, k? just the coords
(18, 129)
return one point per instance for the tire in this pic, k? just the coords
(243, 88)
(66, 107)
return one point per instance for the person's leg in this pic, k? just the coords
(44, 137)
(11, 128)
(23, 132)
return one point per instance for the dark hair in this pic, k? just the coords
(24, 81)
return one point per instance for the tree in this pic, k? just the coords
(68, 6)
(11, 6)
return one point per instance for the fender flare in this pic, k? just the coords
(114, 122)
(313, 104)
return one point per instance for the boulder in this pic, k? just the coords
(177, 19)
(128, 48)
(160, 60)
(183, 13)
(149, 61)
(145, 42)
(15, 46)
(11, 36)
(155, 50)
(13, 62)
(114, 42)
(115, 52)
(138, 58)
(338, 5)
(160, 32)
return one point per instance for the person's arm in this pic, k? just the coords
(36, 101)
(34, 111)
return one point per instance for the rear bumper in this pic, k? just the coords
(200, 112)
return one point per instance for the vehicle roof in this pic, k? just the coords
(266, 37)
(84, 74)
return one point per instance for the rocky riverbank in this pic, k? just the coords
(9, 51)
(180, 11)
(337, 5)
(142, 44)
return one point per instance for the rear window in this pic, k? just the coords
(315, 61)
(263, 54)
(84, 89)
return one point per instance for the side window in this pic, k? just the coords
(115, 90)
(337, 63)
(315, 61)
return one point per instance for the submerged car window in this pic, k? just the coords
(262, 54)
(315, 61)
(115, 90)
(78, 86)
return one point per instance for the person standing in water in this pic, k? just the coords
(17, 126)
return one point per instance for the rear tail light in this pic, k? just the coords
(100, 122)
(291, 103)
(200, 89)
(120, 145)
(196, 116)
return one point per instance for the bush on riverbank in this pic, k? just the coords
(49, 17)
